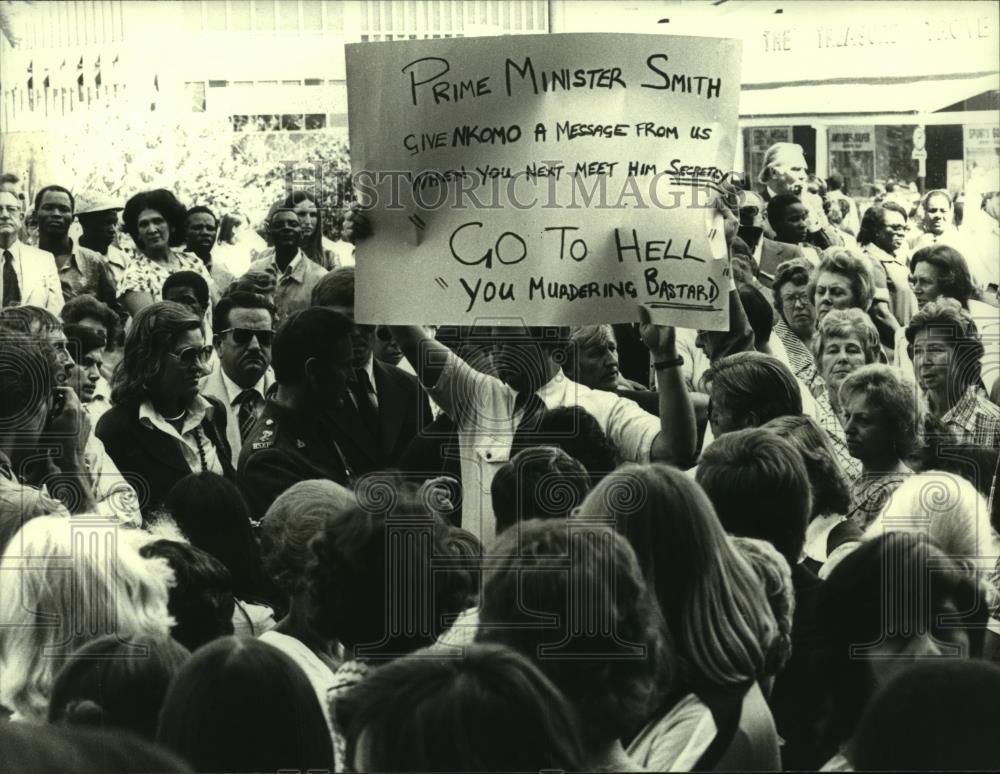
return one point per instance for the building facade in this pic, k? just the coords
(877, 91)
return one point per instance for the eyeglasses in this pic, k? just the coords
(242, 336)
(796, 298)
(383, 333)
(192, 355)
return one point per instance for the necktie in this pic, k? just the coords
(361, 388)
(246, 416)
(11, 286)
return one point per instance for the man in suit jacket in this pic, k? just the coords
(29, 276)
(385, 406)
(243, 324)
(787, 217)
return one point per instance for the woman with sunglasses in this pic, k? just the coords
(160, 428)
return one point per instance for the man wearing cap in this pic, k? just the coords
(81, 270)
(29, 276)
(98, 217)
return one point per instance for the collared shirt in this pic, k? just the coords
(117, 263)
(190, 437)
(234, 391)
(483, 408)
(86, 271)
(40, 286)
(974, 419)
(295, 284)
(800, 357)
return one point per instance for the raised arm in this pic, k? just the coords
(678, 436)
(426, 354)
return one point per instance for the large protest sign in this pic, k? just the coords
(558, 179)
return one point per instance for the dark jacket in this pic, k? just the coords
(151, 461)
(284, 447)
(403, 410)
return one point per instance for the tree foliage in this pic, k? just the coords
(204, 162)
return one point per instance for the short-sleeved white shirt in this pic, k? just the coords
(483, 408)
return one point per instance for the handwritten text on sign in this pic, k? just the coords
(558, 179)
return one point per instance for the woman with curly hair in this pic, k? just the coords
(881, 422)
(156, 222)
(726, 636)
(161, 428)
(947, 354)
(298, 515)
(845, 340)
(844, 280)
(64, 597)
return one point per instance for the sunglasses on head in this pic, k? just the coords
(243, 336)
(190, 355)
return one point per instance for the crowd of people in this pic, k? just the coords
(241, 531)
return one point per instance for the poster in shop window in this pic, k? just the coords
(562, 179)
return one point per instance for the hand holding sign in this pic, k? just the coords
(557, 179)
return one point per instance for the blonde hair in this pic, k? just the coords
(711, 597)
(68, 581)
(947, 509)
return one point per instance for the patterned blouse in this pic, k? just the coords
(143, 275)
(800, 357)
(871, 493)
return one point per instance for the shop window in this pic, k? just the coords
(756, 141)
(852, 154)
(893, 148)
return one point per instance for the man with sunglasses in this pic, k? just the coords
(243, 324)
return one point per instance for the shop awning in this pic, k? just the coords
(858, 98)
